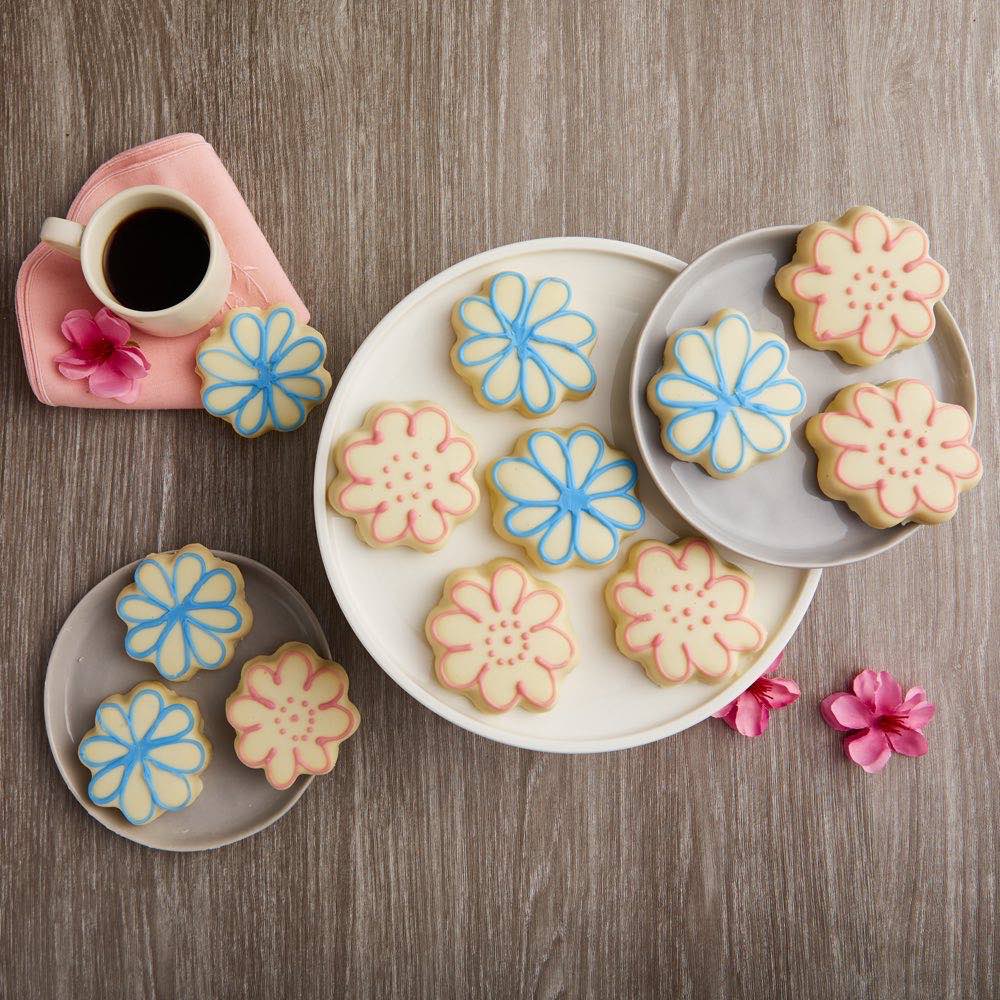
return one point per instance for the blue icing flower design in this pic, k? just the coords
(145, 753)
(724, 396)
(521, 349)
(263, 371)
(566, 497)
(185, 612)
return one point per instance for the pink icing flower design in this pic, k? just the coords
(500, 637)
(887, 282)
(879, 719)
(102, 353)
(749, 714)
(898, 442)
(291, 713)
(680, 613)
(406, 477)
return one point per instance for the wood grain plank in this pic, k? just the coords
(377, 143)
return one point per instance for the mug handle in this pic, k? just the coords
(62, 235)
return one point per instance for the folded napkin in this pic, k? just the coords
(50, 284)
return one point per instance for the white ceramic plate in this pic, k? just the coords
(606, 703)
(740, 513)
(88, 663)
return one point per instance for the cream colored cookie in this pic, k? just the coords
(566, 496)
(146, 753)
(523, 348)
(679, 609)
(863, 286)
(291, 712)
(262, 370)
(405, 477)
(893, 453)
(501, 637)
(185, 611)
(724, 395)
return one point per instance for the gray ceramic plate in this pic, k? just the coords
(88, 663)
(775, 511)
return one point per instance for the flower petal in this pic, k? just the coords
(751, 716)
(551, 295)
(764, 365)
(476, 314)
(567, 365)
(507, 294)
(501, 383)
(521, 480)
(690, 431)
(595, 542)
(888, 693)
(908, 742)
(536, 385)
(731, 339)
(845, 712)
(507, 587)
(96, 751)
(459, 668)
(556, 544)
(694, 354)
(869, 748)
(727, 446)
(681, 392)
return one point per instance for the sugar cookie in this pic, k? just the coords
(406, 477)
(680, 608)
(185, 611)
(262, 371)
(863, 286)
(146, 753)
(523, 349)
(291, 713)
(724, 396)
(893, 453)
(566, 497)
(501, 637)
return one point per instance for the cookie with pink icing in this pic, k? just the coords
(863, 286)
(893, 453)
(680, 609)
(502, 637)
(405, 477)
(291, 712)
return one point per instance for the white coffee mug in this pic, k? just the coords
(88, 243)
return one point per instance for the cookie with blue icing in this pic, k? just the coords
(146, 753)
(262, 370)
(523, 348)
(185, 611)
(566, 496)
(724, 395)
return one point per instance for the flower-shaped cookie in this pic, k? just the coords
(863, 286)
(262, 371)
(185, 612)
(566, 497)
(145, 753)
(291, 713)
(724, 397)
(501, 637)
(406, 477)
(893, 453)
(680, 608)
(528, 351)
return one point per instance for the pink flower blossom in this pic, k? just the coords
(749, 714)
(101, 352)
(879, 719)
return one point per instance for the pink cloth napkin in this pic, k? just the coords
(50, 284)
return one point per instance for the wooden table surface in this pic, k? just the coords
(378, 143)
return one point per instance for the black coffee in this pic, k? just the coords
(155, 258)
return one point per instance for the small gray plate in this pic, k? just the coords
(775, 511)
(88, 663)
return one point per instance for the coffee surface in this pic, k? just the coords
(155, 258)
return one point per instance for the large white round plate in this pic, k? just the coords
(89, 662)
(775, 511)
(606, 703)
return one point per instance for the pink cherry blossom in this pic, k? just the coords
(101, 352)
(749, 714)
(879, 719)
